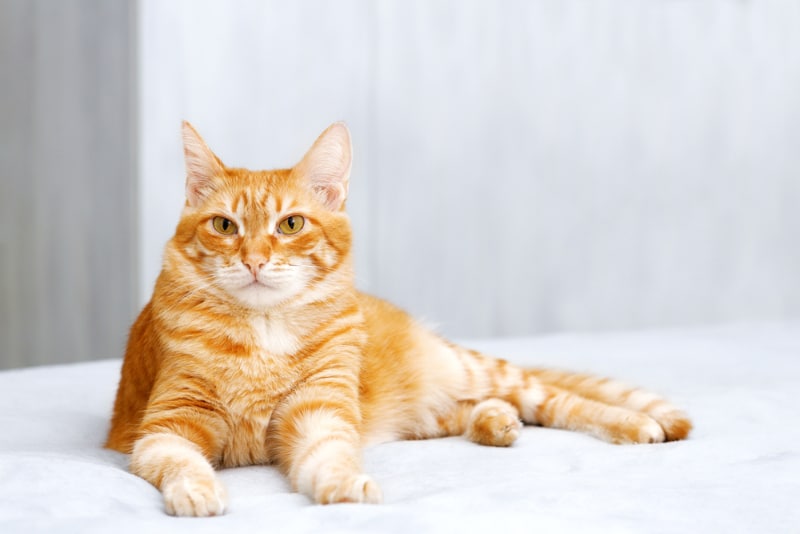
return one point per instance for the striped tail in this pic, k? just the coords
(673, 421)
(602, 407)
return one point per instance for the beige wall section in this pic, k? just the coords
(67, 266)
(521, 166)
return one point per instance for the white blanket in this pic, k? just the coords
(738, 472)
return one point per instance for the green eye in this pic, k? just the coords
(291, 225)
(224, 226)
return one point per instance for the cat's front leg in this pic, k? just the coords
(314, 438)
(183, 431)
(177, 467)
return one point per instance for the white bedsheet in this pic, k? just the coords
(738, 472)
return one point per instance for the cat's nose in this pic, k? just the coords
(254, 263)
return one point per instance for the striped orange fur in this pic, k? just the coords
(256, 348)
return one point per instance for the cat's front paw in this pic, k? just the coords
(353, 488)
(194, 496)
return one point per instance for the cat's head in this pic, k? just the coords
(266, 238)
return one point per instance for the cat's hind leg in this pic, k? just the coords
(550, 406)
(675, 422)
(604, 408)
(493, 422)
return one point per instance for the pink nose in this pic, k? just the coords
(254, 263)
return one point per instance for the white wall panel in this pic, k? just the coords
(520, 166)
(67, 224)
(585, 165)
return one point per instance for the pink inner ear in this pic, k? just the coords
(197, 191)
(331, 194)
(203, 168)
(199, 184)
(326, 166)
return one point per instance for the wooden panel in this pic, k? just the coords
(68, 269)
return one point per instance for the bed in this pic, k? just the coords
(738, 472)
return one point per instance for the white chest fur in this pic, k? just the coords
(275, 335)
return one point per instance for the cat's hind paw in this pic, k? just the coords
(636, 428)
(494, 422)
(675, 423)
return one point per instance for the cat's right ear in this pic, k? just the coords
(203, 167)
(326, 166)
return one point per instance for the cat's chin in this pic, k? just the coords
(260, 296)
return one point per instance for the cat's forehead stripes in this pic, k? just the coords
(249, 188)
(261, 200)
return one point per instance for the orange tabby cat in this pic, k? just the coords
(256, 348)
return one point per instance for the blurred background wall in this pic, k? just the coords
(520, 166)
(68, 258)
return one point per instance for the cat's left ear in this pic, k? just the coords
(203, 168)
(326, 166)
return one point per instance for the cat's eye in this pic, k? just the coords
(224, 226)
(291, 225)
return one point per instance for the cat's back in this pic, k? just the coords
(382, 318)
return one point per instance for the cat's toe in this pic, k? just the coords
(196, 497)
(355, 488)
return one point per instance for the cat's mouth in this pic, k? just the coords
(261, 293)
(257, 284)
(260, 284)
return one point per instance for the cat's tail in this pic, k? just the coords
(673, 421)
(604, 407)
